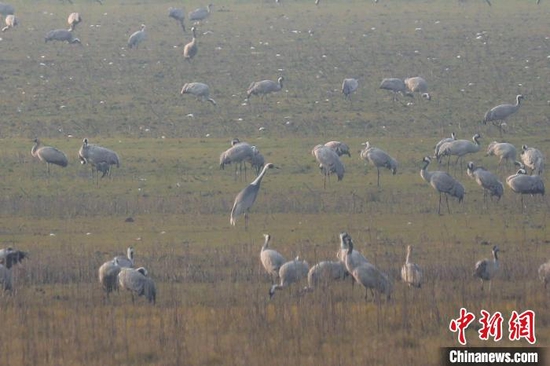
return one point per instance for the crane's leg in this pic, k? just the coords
(447, 200)
(378, 181)
(439, 206)
(246, 221)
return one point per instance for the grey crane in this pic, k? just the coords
(49, 154)
(11, 21)
(6, 9)
(74, 19)
(177, 14)
(503, 150)
(200, 90)
(443, 183)
(138, 282)
(522, 184)
(395, 85)
(289, 273)
(137, 37)
(271, 259)
(411, 273)
(264, 87)
(486, 269)
(349, 259)
(238, 153)
(544, 273)
(98, 157)
(437, 146)
(324, 272)
(486, 180)
(245, 199)
(498, 115)
(62, 35)
(459, 148)
(533, 159)
(128, 260)
(191, 48)
(8, 259)
(108, 276)
(349, 86)
(201, 13)
(379, 158)
(329, 162)
(339, 148)
(418, 84)
(257, 161)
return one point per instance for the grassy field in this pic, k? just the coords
(213, 306)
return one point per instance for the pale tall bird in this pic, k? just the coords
(396, 86)
(238, 154)
(98, 157)
(73, 20)
(339, 148)
(62, 35)
(486, 269)
(200, 90)
(411, 273)
(11, 21)
(108, 276)
(329, 162)
(533, 159)
(349, 86)
(50, 155)
(503, 150)
(201, 13)
(544, 273)
(324, 272)
(138, 283)
(177, 14)
(378, 158)
(522, 184)
(418, 84)
(245, 199)
(498, 115)
(485, 179)
(191, 48)
(349, 259)
(137, 37)
(459, 148)
(441, 142)
(8, 259)
(289, 273)
(264, 87)
(443, 183)
(271, 259)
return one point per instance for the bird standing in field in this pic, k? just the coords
(525, 184)
(329, 162)
(177, 14)
(379, 158)
(11, 21)
(443, 183)
(325, 272)
(486, 180)
(264, 87)
(49, 154)
(411, 273)
(503, 150)
(191, 48)
(533, 159)
(73, 20)
(486, 269)
(544, 273)
(201, 13)
(271, 259)
(339, 148)
(8, 259)
(417, 84)
(257, 161)
(98, 157)
(349, 86)
(441, 142)
(62, 35)
(239, 153)
(138, 282)
(396, 86)
(108, 271)
(498, 115)
(245, 199)
(200, 90)
(289, 273)
(459, 148)
(137, 37)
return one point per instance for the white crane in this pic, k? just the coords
(443, 183)
(271, 259)
(503, 150)
(177, 14)
(349, 86)
(533, 159)
(418, 84)
(525, 184)
(245, 199)
(441, 142)
(498, 115)
(11, 21)
(411, 273)
(61, 35)
(73, 20)
(191, 48)
(329, 162)
(48, 154)
(339, 148)
(379, 158)
(396, 86)
(200, 90)
(289, 273)
(544, 273)
(486, 269)
(264, 87)
(486, 180)
(324, 272)
(98, 157)
(201, 13)
(138, 283)
(459, 148)
(137, 37)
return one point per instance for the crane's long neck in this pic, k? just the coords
(259, 178)
(424, 173)
(34, 148)
(518, 101)
(476, 139)
(130, 255)
(495, 256)
(266, 242)
(409, 250)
